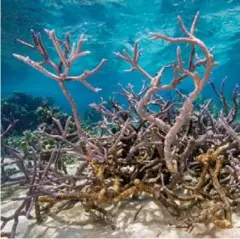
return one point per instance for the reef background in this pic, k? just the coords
(112, 25)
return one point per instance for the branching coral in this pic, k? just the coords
(66, 59)
(181, 157)
(199, 83)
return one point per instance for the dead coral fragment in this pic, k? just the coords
(211, 154)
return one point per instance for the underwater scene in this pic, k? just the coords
(120, 119)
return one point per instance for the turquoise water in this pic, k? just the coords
(111, 26)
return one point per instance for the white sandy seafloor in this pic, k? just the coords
(152, 221)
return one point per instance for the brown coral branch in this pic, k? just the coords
(229, 129)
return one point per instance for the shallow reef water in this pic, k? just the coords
(111, 26)
(120, 118)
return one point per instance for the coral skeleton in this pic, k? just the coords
(177, 152)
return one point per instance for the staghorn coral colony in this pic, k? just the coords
(180, 153)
